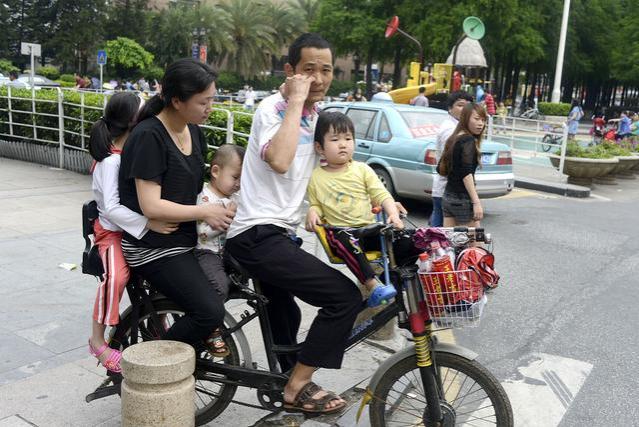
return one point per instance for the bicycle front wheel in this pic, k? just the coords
(472, 396)
(547, 143)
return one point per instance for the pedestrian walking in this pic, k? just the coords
(420, 100)
(459, 161)
(575, 114)
(456, 102)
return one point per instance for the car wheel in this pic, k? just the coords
(386, 179)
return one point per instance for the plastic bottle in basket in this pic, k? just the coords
(433, 288)
(444, 272)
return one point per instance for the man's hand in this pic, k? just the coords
(312, 219)
(162, 227)
(402, 210)
(296, 88)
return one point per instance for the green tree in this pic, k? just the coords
(127, 57)
(252, 35)
(128, 18)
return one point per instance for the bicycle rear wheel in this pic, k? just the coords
(211, 398)
(472, 396)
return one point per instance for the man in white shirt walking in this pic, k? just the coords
(420, 100)
(456, 102)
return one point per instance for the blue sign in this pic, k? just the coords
(102, 57)
(195, 51)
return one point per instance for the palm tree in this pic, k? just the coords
(217, 27)
(288, 23)
(308, 9)
(252, 35)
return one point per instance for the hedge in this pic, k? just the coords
(242, 122)
(554, 108)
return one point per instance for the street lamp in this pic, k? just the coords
(556, 88)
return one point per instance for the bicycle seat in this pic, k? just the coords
(91, 262)
(368, 230)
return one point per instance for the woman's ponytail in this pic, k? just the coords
(151, 108)
(119, 113)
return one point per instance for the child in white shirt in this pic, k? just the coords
(108, 136)
(226, 168)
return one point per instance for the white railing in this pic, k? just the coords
(530, 138)
(16, 119)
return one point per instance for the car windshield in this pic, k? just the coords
(422, 124)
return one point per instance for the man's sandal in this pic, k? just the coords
(112, 362)
(305, 397)
(216, 345)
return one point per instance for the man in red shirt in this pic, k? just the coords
(490, 104)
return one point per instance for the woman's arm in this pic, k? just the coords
(469, 184)
(154, 207)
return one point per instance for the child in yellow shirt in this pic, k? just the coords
(341, 193)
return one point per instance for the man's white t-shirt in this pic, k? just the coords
(445, 131)
(268, 197)
(249, 98)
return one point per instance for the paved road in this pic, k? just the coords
(559, 333)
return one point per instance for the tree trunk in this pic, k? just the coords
(369, 74)
(515, 84)
(525, 96)
(397, 68)
(505, 89)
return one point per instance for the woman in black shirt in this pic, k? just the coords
(461, 204)
(161, 174)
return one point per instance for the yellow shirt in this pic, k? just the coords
(345, 198)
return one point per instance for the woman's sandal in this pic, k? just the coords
(216, 345)
(112, 362)
(305, 397)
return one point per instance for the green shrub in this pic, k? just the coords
(554, 108)
(67, 78)
(153, 72)
(340, 86)
(615, 149)
(49, 72)
(64, 83)
(573, 149)
(229, 81)
(7, 66)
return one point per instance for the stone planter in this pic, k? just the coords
(635, 168)
(581, 171)
(625, 168)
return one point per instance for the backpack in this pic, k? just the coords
(482, 263)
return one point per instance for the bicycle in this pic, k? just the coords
(446, 374)
(553, 136)
(532, 114)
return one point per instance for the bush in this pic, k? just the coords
(7, 66)
(615, 149)
(573, 149)
(554, 108)
(153, 72)
(340, 86)
(64, 83)
(229, 81)
(67, 78)
(49, 72)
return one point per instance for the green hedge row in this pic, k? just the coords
(242, 122)
(554, 108)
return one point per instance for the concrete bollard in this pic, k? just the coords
(158, 388)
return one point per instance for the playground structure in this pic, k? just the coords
(442, 79)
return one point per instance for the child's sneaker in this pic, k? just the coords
(381, 294)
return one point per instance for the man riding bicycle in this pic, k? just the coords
(279, 160)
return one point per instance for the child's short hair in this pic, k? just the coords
(335, 120)
(225, 153)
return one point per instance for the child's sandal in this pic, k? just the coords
(112, 362)
(216, 345)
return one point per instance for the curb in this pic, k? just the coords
(569, 190)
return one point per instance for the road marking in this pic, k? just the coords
(548, 387)
(598, 197)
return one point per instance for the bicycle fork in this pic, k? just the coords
(421, 328)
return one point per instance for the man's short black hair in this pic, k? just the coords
(422, 89)
(13, 74)
(456, 96)
(305, 40)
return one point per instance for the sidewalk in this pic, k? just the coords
(45, 311)
(546, 179)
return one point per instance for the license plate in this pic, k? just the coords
(486, 158)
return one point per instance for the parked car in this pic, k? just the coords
(38, 81)
(399, 142)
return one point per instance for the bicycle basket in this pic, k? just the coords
(455, 299)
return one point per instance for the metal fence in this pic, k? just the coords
(54, 129)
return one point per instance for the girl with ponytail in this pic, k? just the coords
(108, 136)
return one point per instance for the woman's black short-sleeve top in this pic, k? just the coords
(151, 154)
(464, 163)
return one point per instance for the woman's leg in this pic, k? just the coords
(181, 279)
(449, 221)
